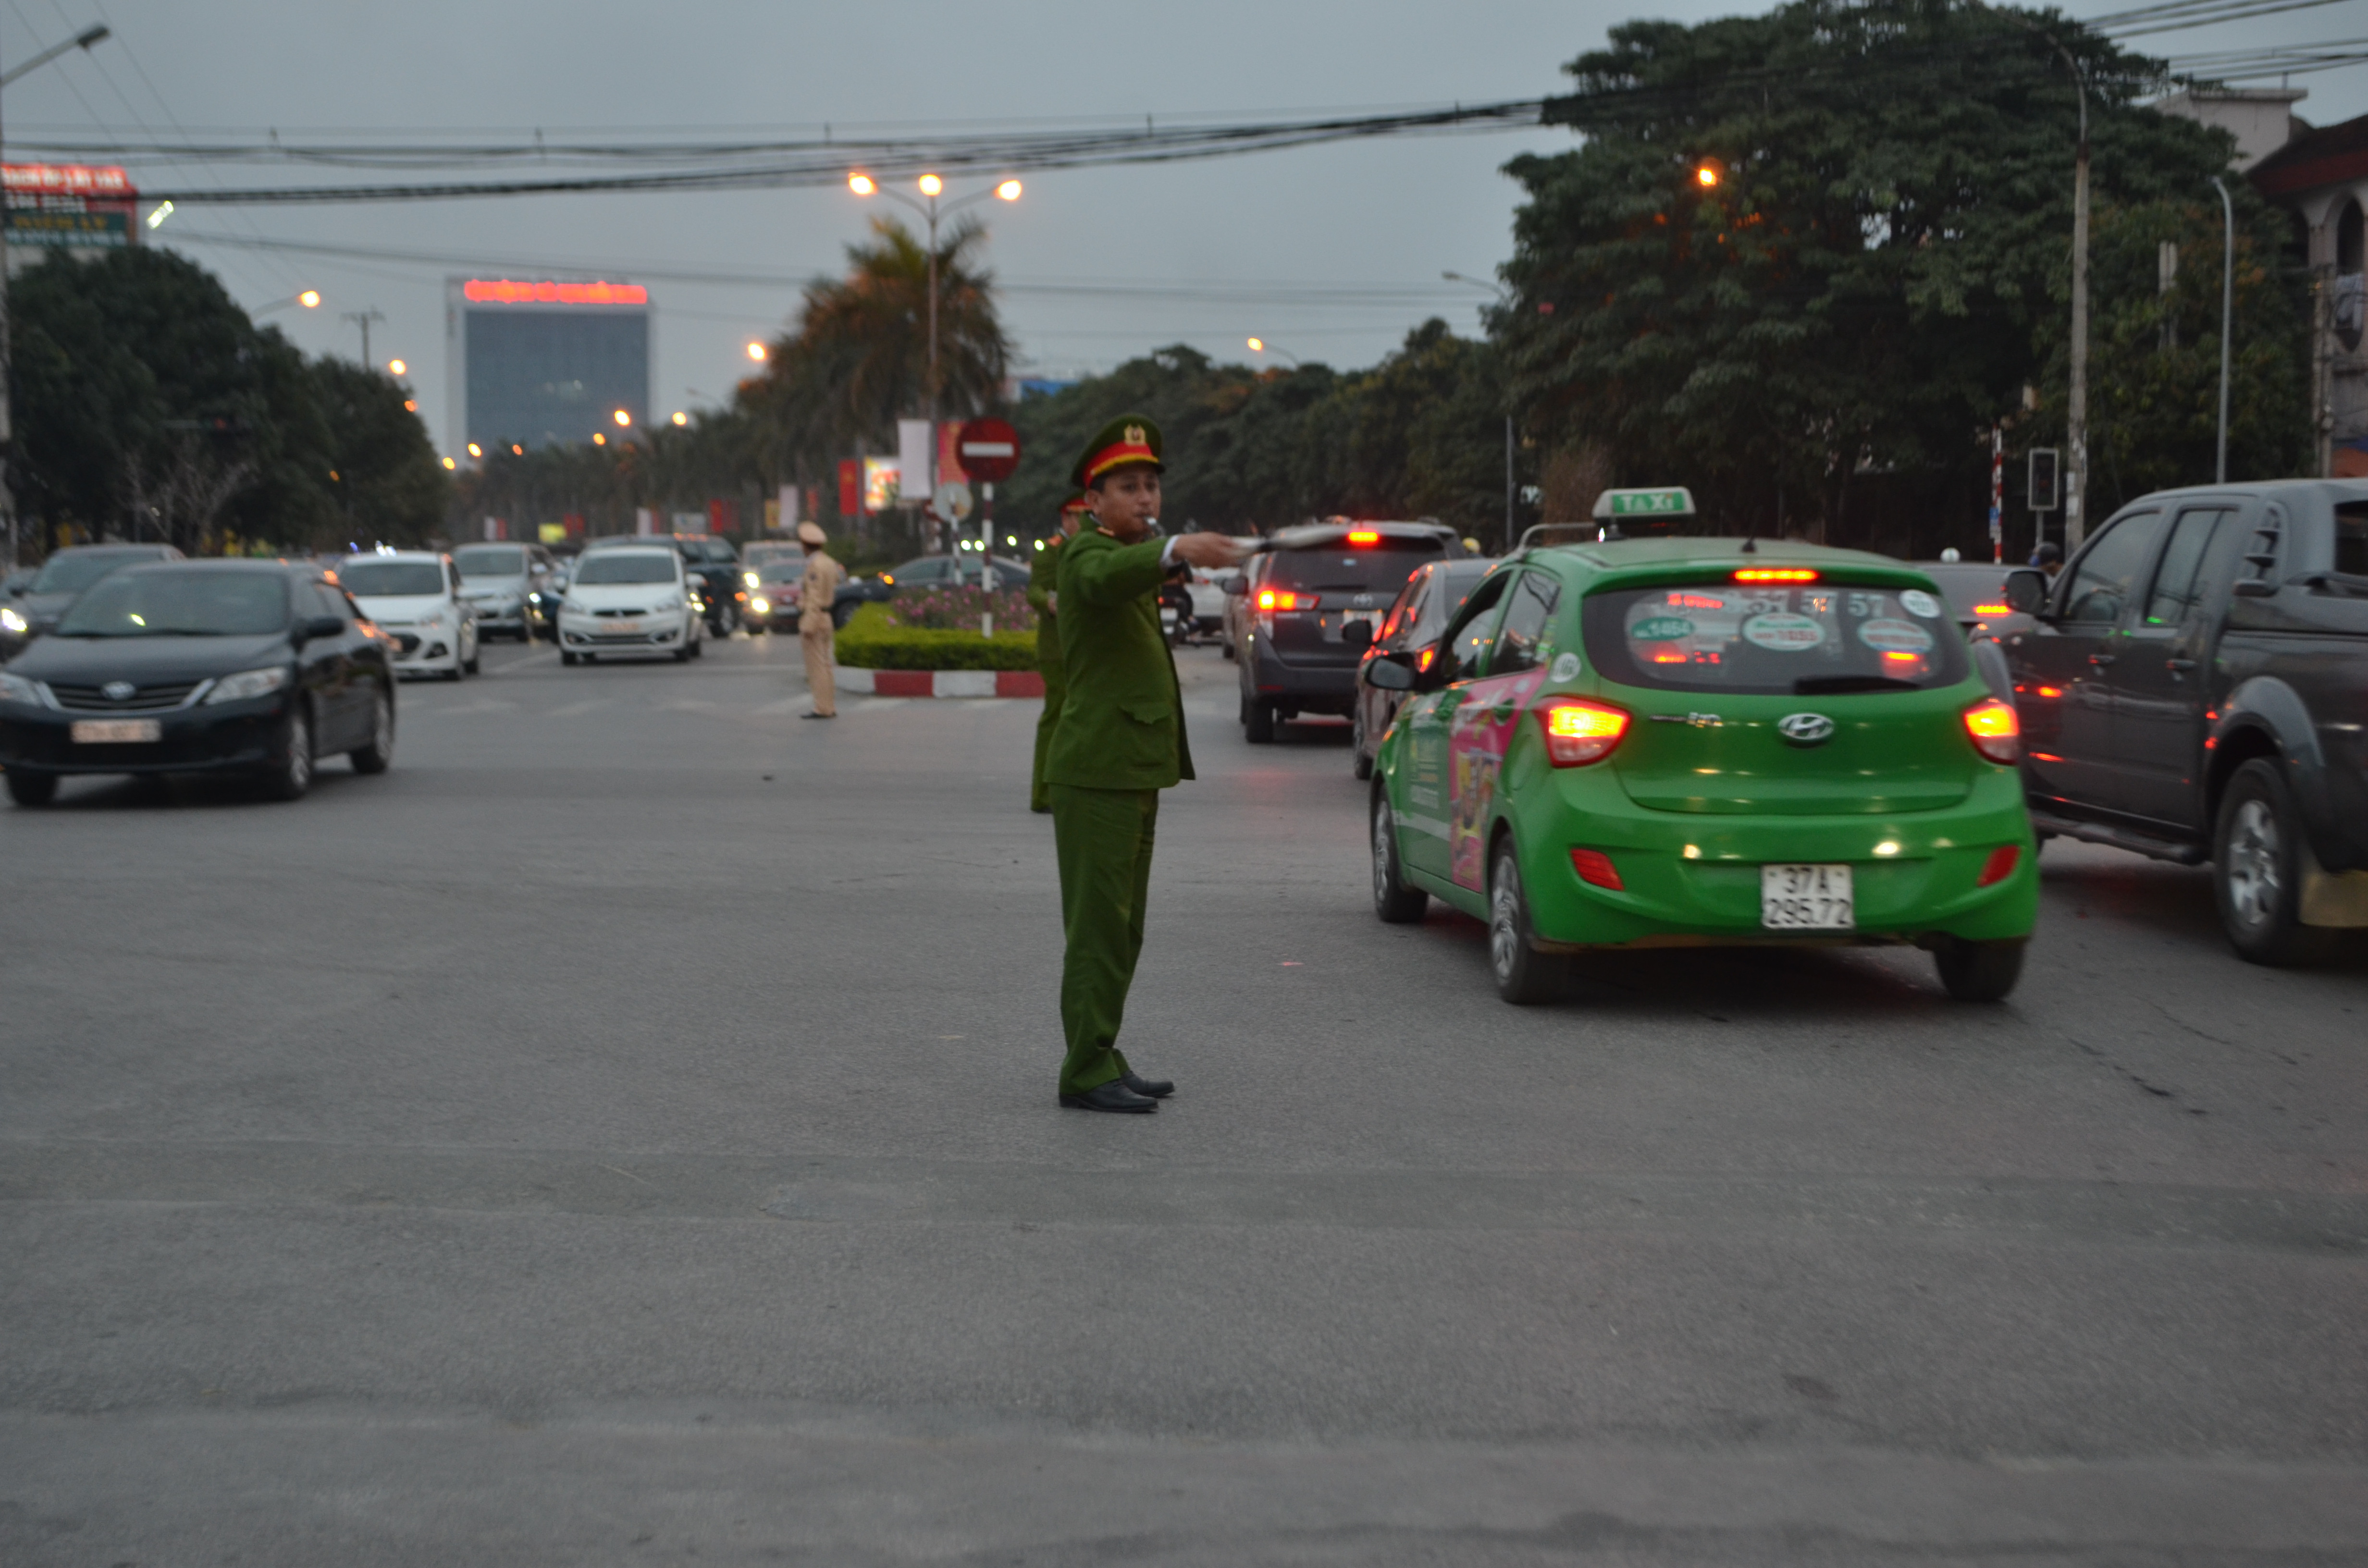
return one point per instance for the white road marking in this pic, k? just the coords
(572, 709)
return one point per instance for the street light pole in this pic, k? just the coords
(1505, 298)
(84, 40)
(2076, 419)
(932, 188)
(2227, 315)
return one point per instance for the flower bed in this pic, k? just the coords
(958, 610)
(874, 641)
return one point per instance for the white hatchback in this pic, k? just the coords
(629, 600)
(414, 596)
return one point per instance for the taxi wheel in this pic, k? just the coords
(1979, 972)
(2257, 870)
(1396, 902)
(1524, 975)
(29, 788)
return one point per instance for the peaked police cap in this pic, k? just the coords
(1129, 438)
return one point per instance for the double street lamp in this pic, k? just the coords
(931, 188)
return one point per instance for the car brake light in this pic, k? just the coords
(1578, 732)
(1993, 609)
(1995, 733)
(2001, 865)
(1776, 575)
(1365, 536)
(1422, 666)
(1595, 866)
(1282, 598)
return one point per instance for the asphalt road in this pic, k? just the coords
(624, 1134)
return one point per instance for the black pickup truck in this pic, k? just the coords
(2194, 686)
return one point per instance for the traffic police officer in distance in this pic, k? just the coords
(816, 591)
(1042, 587)
(1119, 743)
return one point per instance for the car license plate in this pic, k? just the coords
(624, 628)
(1805, 898)
(1339, 629)
(99, 732)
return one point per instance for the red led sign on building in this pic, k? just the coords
(70, 180)
(504, 291)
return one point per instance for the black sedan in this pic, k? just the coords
(35, 607)
(199, 666)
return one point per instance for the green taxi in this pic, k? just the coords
(1692, 742)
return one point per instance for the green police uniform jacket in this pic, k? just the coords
(1043, 577)
(1122, 723)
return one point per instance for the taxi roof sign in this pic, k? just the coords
(1672, 501)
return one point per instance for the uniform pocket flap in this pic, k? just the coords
(1146, 711)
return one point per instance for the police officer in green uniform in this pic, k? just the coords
(1042, 586)
(1120, 741)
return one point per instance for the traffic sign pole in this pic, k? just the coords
(989, 451)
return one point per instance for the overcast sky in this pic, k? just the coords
(1396, 212)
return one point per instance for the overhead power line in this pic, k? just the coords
(808, 163)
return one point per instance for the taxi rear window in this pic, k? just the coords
(1803, 640)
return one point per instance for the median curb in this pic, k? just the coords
(938, 683)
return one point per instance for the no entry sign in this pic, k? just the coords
(989, 449)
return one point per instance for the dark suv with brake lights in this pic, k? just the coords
(2194, 686)
(1295, 601)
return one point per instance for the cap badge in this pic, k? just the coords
(1134, 435)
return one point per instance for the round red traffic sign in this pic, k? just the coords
(988, 449)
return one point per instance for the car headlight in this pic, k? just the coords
(16, 688)
(248, 683)
(761, 605)
(11, 622)
(750, 578)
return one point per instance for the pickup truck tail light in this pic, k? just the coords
(1995, 733)
(1578, 732)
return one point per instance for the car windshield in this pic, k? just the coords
(1381, 567)
(71, 573)
(639, 566)
(204, 603)
(1805, 639)
(388, 579)
(781, 571)
(491, 560)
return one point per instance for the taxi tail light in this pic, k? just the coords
(1995, 731)
(1999, 866)
(1595, 868)
(1578, 732)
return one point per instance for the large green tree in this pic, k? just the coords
(1830, 239)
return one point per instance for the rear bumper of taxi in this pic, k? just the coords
(1692, 878)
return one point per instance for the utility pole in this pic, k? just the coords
(363, 319)
(2228, 315)
(1504, 299)
(2075, 421)
(84, 40)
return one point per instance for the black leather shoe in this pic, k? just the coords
(1157, 1089)
(1113, 1096)
(817, 715)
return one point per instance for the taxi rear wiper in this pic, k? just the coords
(1824, 686)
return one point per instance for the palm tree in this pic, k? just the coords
(858, 357)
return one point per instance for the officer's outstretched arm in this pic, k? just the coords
(1114, 576)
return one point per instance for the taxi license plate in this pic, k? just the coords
(1805, 898)
(98, 732)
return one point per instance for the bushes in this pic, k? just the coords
(956, 610)
(873, 642)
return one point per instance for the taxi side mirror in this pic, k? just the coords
(1357, 634)
(1386, 674)
(2026, 590)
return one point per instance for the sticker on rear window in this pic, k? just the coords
(1565, 666)
(1661, 629)
(1916, 601)
(1890, 635)
(1781, 632)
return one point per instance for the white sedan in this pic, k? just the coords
(629, 600)
(414, 596)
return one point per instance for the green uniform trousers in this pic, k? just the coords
(1103, 838)
(1056, 691)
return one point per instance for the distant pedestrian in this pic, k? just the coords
(1043, 593)
(1119, 742)
(816, 592)
(2049, 557)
